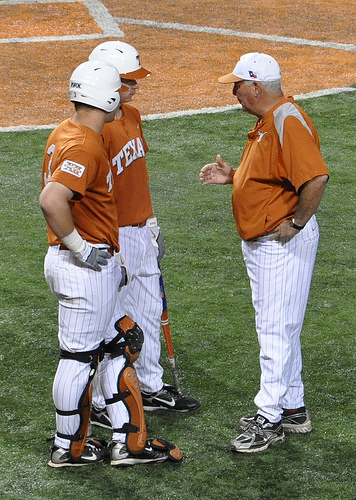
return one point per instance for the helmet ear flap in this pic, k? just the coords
(107, 101)
(97, 84)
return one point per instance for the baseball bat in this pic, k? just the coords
(167, 335)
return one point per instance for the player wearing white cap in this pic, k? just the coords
(276, 191)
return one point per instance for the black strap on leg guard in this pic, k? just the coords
(132, 342)
(78, 439)
(87, 356)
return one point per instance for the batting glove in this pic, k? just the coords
(156, 238)
(125, 277)
(93, 257)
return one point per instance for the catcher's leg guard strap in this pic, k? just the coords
(128, 342)
(78, 439)
(130, 394)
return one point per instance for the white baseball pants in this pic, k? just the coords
(280, 274)
(86, 301)
(141, 300)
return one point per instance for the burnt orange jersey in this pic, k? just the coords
(127, 148)
(75, 157)
(281, 154)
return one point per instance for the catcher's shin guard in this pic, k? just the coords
(129, 390)
(78, 439)
(136, 432)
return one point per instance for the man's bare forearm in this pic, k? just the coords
(309, 199)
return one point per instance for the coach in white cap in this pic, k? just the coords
(254, 66)
(276, 191)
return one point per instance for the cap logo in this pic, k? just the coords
(75, 85)
(252, 74)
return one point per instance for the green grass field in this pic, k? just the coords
(212, 325)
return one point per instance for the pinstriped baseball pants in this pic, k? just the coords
(86, 301)
(280, 274)
(141, 300)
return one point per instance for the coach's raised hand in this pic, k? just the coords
(219, 172)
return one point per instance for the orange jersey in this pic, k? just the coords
(75, 157)
(127, 148)
(281, 154)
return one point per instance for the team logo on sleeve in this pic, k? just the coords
(71, 167)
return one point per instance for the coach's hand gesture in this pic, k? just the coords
(219, 172)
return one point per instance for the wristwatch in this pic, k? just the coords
(295, 226)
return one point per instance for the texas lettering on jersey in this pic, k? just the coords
(132, 150)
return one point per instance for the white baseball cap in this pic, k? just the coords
(254, 66)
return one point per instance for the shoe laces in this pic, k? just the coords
(170, 390)
(258, 428)
(95, 444)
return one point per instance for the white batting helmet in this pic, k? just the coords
(96, 83)
(123, 56)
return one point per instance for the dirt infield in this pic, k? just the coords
(185, 64)
(309, 19)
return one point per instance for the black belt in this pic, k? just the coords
(139, 224)
(110, 250)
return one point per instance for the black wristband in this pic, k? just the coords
(295, 226)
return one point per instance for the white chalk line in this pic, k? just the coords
(97, 10)
(242, 34)
(189, 112)
(110, 28)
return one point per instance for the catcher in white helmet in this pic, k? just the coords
(84, 275)
(140, 238)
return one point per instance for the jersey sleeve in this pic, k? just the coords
(301, 153)
(76, 171)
